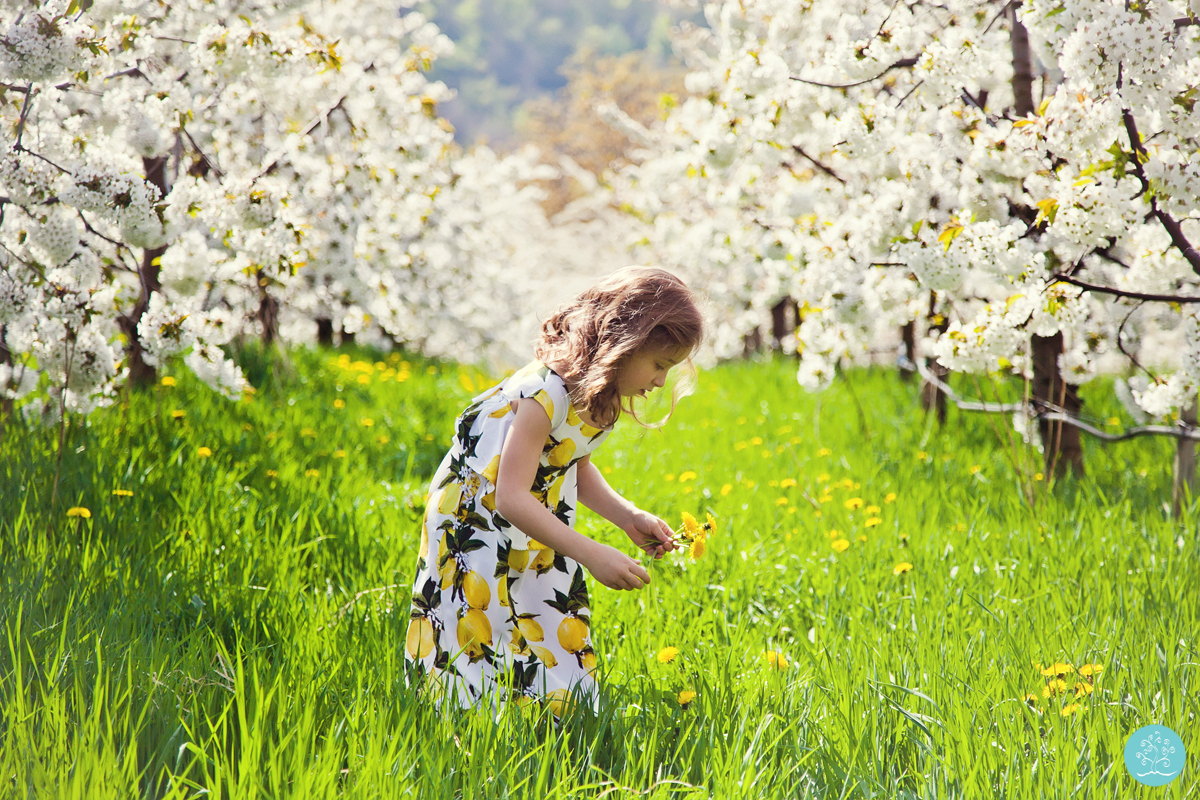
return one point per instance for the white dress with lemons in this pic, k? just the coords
(496, 617)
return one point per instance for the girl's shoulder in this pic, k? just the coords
(543, 384)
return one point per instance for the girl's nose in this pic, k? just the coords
(660, 381)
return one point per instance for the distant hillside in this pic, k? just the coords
(510, 52)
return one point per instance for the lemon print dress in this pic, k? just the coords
(497, 617)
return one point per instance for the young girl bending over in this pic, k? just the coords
(500, 607)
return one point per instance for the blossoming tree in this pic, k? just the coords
(175, 175)
(1017, 180)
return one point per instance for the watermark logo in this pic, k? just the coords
(1154, 755)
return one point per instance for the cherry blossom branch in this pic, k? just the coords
(800, 151)
(1094, 287)
(1172, 226)
(903, 63)
(1048, 411)
(211, 164)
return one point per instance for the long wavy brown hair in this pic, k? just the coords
(587, 340)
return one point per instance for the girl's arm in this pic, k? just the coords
(518, 467)
(646, 530)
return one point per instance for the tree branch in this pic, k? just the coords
(1172, 226)
(1094, 287)
(903, 63)
(800, 151)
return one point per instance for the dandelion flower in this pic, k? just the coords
(890, 498)
(786, 483)
(726, 489)
(1031, 700)
(1090, 669)
(364, 379)
(840, 545)
(168, 380)
(872, 510)
(901, 568)
(339, 403)
(1068, 710)
(922, 455)
(774, 659)
(697, 548)
(757, 440)
(686, 697)
(271, 473)
(339, 453)
(824, 476)
(824, 451)
(1056, 686)
(687, 476)
(366, 422)
(710, 526)
(312, 473)
(1037, 476)
(1113, 421)
(1058, 669)
(122, 493)
(975, 470)
(204, 452)
(691, 528)
(79, 511)
(1082, 689)
(382, 439)
(872, 522)
(667, 655)
(853, 503)
(781, 501)
(177, 414)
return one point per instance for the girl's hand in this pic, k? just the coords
(615, 569)
(650, 533)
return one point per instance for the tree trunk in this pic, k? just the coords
(933, 398)
(6, 405)
(1022, 81)
(908, 335)
(784, 319)
(1185, 467)
(324, 332)
(141, 373)
(1061, 444)
(268, 312)
(347, 337)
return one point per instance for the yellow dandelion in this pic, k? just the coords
(177, 414)
(686, 697)
(122, 493)
(975, 470)
(1082, 689)
(872, 522)
(757, 440)
(204, 452)
(1058, 669)
(691, 528)
(774, 659)
(670, 476)
(1070, 709)
(168, 380)
(1031, 700)
(1113, 421)
(339, 403)
(366, 422)
(824, 476)
(862, 537)
(697, 548)
(726, 489)
(901, 568)
(922, 455)
(1037, 476)
(364, 379)
(872, 510)
(79, 511)
(840, 545)
(740, 445)
(787, 483)
(848, 483)
(1088, 670)
(781, 501)
(824, 451)
(382, 439)
(667, 655)
(272, 473)
(687, 476)
(312, 473)
(1055, 686)
(853, 503)
(339, 453)
(710, 525)
(890, 497)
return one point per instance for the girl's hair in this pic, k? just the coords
(588, 339)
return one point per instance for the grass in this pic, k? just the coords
(235, 627)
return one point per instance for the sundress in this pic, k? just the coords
(497, 617)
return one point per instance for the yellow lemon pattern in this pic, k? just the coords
(493, 610)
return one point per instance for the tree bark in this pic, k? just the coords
(1185, 467)
(908, 335)
(324, 332)
(6, 405)
(1061, 443)
(347, 337)
(268, 312)
(785, 316)
(1022, 81)
(141, 373)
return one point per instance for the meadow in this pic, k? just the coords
(889, 608)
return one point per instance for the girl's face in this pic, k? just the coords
(646, 370)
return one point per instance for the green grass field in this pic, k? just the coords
(235, 626)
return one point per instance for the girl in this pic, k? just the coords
(500, 606)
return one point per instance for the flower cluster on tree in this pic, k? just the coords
(177, 175)
(1005, 176)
